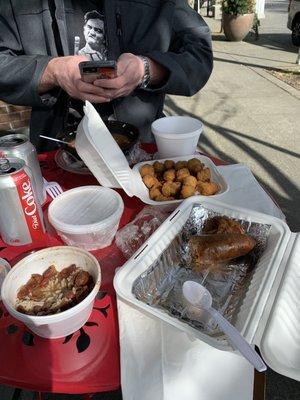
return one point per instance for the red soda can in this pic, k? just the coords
(21, 218)
(17, 145)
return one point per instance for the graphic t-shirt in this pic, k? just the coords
(87, 29)
(86, 26)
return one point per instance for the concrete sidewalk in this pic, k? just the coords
(252, 117)
(249, 115)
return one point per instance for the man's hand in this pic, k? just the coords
(130, 74)
(64, 72)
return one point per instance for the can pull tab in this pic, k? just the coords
(4, 165)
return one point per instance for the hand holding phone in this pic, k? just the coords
(92, 70)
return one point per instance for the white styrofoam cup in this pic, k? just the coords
(176, 136)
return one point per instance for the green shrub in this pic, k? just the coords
(238, 7)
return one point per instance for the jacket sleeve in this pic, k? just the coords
(19, 74)
(189, 60)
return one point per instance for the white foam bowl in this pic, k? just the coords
(87, 216)
(66, 322)
(176, 136)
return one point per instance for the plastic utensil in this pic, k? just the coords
(199, 297)
(52, 188)
(54, 139)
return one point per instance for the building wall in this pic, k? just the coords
(14, 118)
(260, 8)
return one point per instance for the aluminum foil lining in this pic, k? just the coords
(161, 284)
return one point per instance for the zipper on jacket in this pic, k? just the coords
(55, 29)
(119, 29)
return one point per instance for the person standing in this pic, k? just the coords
(161, 47)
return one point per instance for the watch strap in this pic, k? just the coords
(146, 78)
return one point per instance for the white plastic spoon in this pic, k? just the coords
(53, 139)
(200, 297)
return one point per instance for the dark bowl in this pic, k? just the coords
(126, 135)
(68, 135)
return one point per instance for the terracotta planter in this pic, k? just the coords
(236, 27)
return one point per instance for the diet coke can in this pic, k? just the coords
(19, 146)
(21, 218)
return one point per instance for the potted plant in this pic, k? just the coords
(238, 18)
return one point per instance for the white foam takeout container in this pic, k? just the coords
(269, 315)
(63, 323)
(97, 148)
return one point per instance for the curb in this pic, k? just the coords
(278, 82)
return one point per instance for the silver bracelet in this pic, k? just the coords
(146, 78)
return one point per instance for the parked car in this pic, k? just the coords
(294, 20)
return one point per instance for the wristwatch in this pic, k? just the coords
(146, 78)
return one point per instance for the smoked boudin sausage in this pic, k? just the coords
(210, 250)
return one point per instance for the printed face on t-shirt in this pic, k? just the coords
(94, 33)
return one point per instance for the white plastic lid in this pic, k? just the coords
(4, 270)
(86, 209)
(100, 152)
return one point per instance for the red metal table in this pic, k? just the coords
(88, 360)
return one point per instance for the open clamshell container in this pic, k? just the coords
(100, 152)
(269, 315)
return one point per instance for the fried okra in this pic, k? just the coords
(158, 167)
(170, 175)
(169, 164)
(181, 174)
(169, 180)
(190, 181)
(197, 168)
(170, 188)
(147, 169)
(187, 191)
(204, 175)
(154, 192)
(194, 165)
(150, 181)
(180, 164)
(207, 188)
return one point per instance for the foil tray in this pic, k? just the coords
(161, 284)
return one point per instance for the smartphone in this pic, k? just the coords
(92, 70)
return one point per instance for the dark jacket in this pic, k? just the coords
(168, 31)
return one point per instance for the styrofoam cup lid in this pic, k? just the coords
(86, 209)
